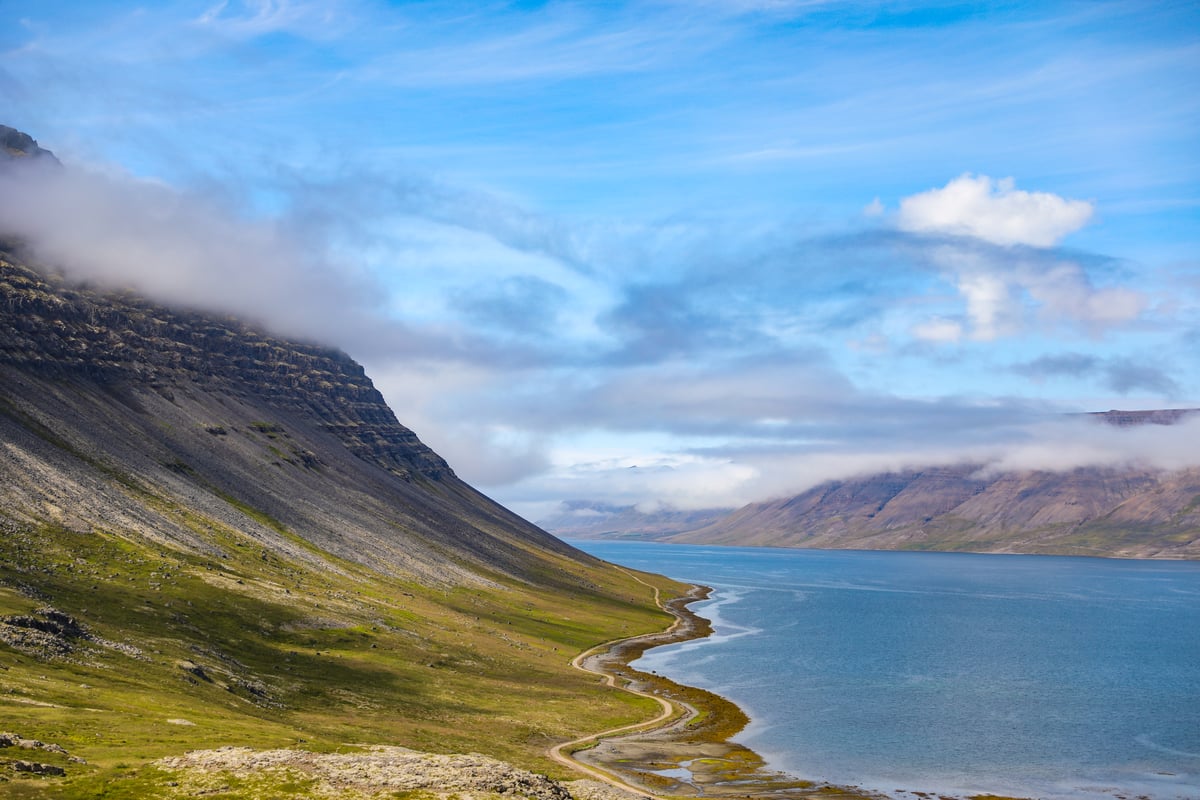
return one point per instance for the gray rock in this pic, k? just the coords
(15, 144)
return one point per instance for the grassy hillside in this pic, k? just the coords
(210, 537)
(176, 650)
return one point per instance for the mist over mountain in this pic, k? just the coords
(594, 520)
(1127, 510)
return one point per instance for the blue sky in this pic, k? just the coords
(695, 253)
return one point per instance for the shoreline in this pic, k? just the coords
(656, 762)
(685, 751)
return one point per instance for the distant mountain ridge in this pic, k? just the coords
(1127, 419)
(585, 520)
(1129, 512)
(1089, 511)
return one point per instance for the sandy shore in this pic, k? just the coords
(685, 751)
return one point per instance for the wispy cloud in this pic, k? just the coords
(995, 245)
(569, 45)
(248, 19)
(1120, 374)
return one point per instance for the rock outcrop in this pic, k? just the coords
(378, 772)
(15, 144)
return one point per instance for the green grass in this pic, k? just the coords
(259, 651)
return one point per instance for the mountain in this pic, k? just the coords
(18, 145)
(204, 411)
(1125, 512)
(587, 520)
(213, 536)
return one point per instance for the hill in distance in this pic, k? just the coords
(1113, 512)
(211, 536)
(583, 520)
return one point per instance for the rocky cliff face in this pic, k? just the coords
(113, 410)
(50, 329)
(15, 144)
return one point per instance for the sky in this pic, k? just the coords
(665, 253)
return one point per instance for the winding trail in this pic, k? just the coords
(670, 709)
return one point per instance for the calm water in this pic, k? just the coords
(1035, 675)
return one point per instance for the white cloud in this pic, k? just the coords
(679, 481)
(186, 249)
(938, 329)
(1072, 443)
(1006, 291)
(251, 18)
(1010, 293)
(993, 310)
(692, 482)
(994, 211)
(874, 208)
(1065, 292)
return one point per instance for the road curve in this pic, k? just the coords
(670, 709)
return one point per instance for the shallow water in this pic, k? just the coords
(1042, 676)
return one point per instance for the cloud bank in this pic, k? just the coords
(181, 248)
(526, 349)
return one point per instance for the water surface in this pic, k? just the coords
(1032, 675)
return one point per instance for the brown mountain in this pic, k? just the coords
(1136, 513)
(1089, 511)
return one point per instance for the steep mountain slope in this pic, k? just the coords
(211, 536)
(216, 416)
(1088, 511)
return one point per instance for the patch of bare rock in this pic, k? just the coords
(18, 742)
(378, 772)
(49, 634)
